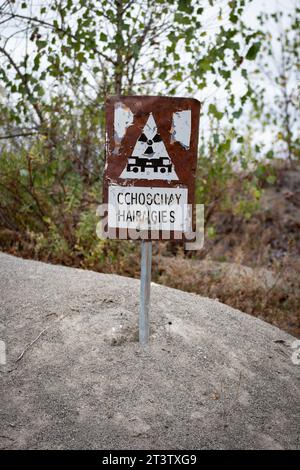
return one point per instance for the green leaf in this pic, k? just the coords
(253, 51)
(205, 65)
(181, 19)
(212, 109)
(177, 76)
(36, 62)
(80, 57)
(41, 44)
(184, 5)
(238, 113)
(39, 90)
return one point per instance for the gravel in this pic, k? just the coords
(76, 377)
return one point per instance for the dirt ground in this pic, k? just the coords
(212, 377)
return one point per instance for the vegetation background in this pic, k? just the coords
(59, 60)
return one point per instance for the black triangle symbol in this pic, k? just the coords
(149, 150)
(142, 138)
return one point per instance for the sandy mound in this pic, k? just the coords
(211, 377)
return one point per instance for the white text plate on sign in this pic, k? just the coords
(147, 208)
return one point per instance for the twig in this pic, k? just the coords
(31, 344)
(38, 336)
(12, 136)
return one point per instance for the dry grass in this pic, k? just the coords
(273, 296)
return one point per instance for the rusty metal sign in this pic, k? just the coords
(151, 161)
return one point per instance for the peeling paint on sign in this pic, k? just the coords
(123, 118)
(181, 128)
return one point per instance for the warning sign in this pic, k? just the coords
(151, 161)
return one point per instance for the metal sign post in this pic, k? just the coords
(149, 179)
(146, 259)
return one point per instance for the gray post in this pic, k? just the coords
(146, 252)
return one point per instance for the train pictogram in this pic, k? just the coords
(140, 164)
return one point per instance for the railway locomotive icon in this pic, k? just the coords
(149, 159)
(137, 164)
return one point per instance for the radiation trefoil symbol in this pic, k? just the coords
(149, 159)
